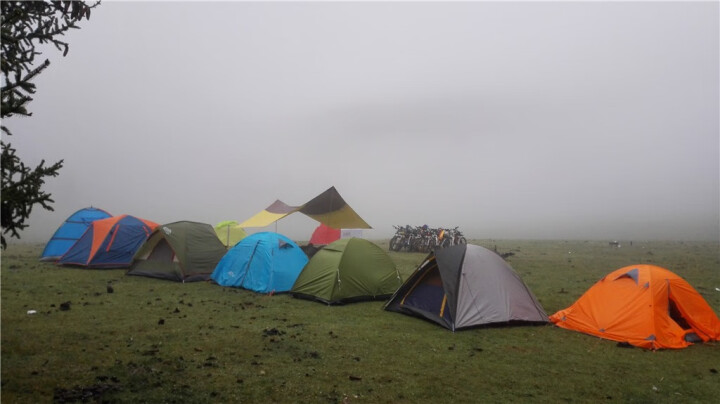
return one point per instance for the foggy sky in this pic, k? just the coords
(511, 120)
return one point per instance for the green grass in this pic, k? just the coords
(226, 345)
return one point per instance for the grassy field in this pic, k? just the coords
(158, 341)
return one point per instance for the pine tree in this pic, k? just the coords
(26, 24)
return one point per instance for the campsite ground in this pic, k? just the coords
(159, 341)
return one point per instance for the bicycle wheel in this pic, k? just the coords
(395, 244)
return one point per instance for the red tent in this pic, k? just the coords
(324, 235)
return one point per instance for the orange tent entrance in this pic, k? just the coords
(644, 305)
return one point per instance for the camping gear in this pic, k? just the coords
(229, 232)
(70, 232)
(644, 305)
(328, 208)
(324, 235)
(264, 262)
(464, 286)
(181, 251)
(109, 243)
(348, 270)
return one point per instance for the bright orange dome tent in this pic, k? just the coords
(643, 305)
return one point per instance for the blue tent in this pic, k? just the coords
(263, 262)
(70, 231)
(109, 243)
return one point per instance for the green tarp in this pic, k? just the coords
(348, 270)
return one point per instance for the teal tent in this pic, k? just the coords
(263, 262)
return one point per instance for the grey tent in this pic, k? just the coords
(180, 251)
(465, 286)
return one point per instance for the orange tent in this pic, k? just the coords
(109, 243)
(644, 305)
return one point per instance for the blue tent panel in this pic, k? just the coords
(118, 246)
(70, 232)
(79, 253)
(428, 296)
(263, 262)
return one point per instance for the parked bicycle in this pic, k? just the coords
(424, 238)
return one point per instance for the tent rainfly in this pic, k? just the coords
(348, 270)
(464, 286)
(70, 232)
(643, 305)
(181, 251)
(263, 262)
(109, 243)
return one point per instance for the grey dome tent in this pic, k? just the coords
(180, 251)
(465, 286)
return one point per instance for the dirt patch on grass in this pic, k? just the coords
(91, 393)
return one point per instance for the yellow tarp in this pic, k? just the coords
(343, 218)
(328, 208)
(262, 219)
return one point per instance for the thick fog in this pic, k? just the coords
(587, 120)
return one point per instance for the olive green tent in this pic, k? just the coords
(348, 270)
(229, 232)
(180, 251)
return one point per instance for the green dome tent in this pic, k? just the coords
(180, 251)
(348, 270)
(229, 232)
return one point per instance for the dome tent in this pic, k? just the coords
(70, 232)
(109, 243)
(465, 286)
(181, 251)
(264, 262)
(348, 270)
(644, 305)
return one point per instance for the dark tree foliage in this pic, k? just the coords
(26, 24)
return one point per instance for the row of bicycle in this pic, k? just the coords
(424, 238)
